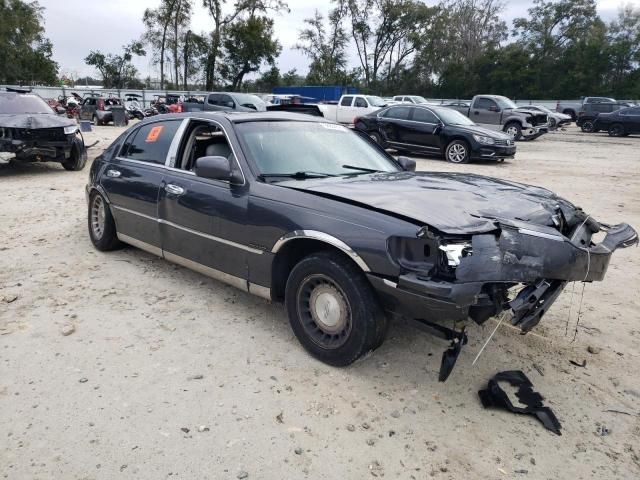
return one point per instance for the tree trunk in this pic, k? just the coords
(176, 65)
(185, 58)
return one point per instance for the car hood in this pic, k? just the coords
(524, 110)
(454, 203)
(478, 130)
(34, 121)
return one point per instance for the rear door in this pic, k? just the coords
(88, 108)
(345, 110)
(394, 124)
(422, 129)
(132, 182)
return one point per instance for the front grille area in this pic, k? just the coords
(40, 134)
(539, 119)
(503, 143)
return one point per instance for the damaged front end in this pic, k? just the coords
(39, 144)
(520, 267)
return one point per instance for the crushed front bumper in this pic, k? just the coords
(531, 133)
(37, 149)
(539, 262)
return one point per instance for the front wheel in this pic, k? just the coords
(102, 227)
(332, 309)
(587, 126)
(514, 130)
(457, 152)
(616, 130)
(78, 157)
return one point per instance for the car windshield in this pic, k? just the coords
(504, 102)
(245, 99)
(376, 101)
(12, 103)
(320, 149)
(453, 117)
(418, 99)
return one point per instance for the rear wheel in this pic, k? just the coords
(332, 309)
(616, 130)
(587, 126)
(457, 152)
(96, 121)
(102, 227)
(375, 136)
(514, 130)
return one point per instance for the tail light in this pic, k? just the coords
(355, 120)
(100, 104)
(179, 109)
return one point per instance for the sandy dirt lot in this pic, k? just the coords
(171, 374)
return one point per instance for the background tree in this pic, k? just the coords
(327, 51)
(248, 44)
(117, 71)
(157, 22)
(25, 54)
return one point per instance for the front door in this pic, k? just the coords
(132, 182)
(485, 112)
(202, 221)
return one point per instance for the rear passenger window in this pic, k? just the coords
(151, 142)
(346, 101)
(400, 113)
(423, 115)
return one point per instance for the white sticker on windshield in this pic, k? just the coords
(333, 126)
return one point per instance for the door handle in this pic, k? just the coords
(173, 189)
(476, 112)
(113, 173)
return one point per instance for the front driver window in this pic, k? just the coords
(203, 139)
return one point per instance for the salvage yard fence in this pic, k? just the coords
(147, 96)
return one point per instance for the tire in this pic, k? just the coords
(457, 151)
(96, 121)
(102, 227)
(78, 158)
(514, 130)
(587, 126)
(571, 113)
(376, 137)
(552, 123)
(327, 287)
(616, 130)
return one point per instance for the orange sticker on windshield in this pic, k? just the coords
(153, 134)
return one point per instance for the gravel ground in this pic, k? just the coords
(122, 365)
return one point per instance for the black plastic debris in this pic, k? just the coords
(494, 396)
(450, 355)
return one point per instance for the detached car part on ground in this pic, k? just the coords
(435, 130)
(295, 209)
(33, 132)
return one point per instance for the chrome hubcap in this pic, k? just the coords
(97, 217)
(324, 311)
(457, 153)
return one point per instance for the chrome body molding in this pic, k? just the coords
(232, 280)
(147, 247)
(323, 237)
(194, 232)
(533, 233)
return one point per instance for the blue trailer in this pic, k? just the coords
(317, 93)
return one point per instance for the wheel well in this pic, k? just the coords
(289, 255)
(517, 122)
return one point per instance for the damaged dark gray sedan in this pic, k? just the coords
(31, 131)
(299, 210)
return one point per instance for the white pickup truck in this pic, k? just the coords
(351, 106)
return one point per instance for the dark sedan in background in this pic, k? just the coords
(297, 209)
(620, 123)
(439, 130)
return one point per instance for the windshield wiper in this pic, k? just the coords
(362, 169)
(301, 175)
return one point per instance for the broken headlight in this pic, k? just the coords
(70, 129)
(483, 139)
(455, 252)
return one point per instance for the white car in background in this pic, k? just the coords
(556, 119)
(415, 99)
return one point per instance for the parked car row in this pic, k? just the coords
(613, 118)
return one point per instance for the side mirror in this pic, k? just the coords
(215, 168)
(407, 164)
(230, 104)
(493, 108)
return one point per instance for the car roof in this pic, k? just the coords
(242, 117)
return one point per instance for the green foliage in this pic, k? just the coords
(117, 71)
(248, 44)
(25, 54)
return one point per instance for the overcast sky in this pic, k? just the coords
(77, 26)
